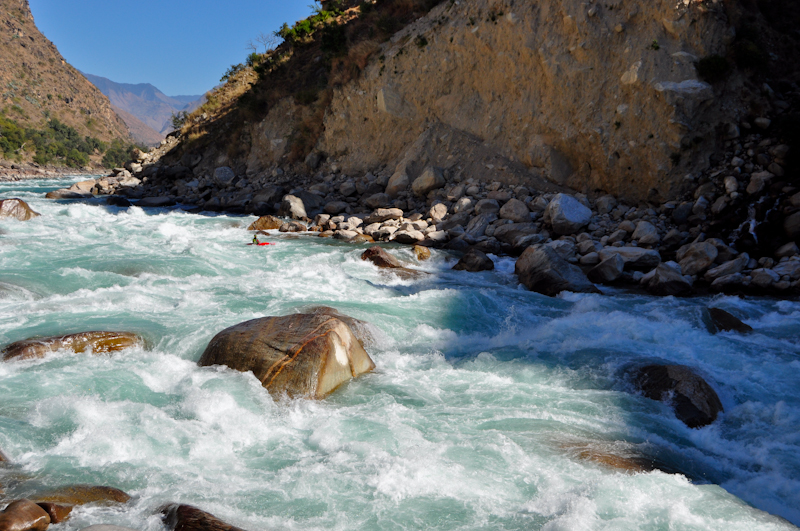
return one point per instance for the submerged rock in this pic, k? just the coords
(94, 342)
(266, 223)
(474, 261)
(422, 253)
(83, 495)
(302, 355)
(16, 209)
(542, 270)
(722, 321)
(694, 401)
(24, 515)
(188, 518)
(596, 453)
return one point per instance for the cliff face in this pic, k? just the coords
(594, 96)
(37, 83)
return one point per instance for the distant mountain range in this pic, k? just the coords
(146, 110)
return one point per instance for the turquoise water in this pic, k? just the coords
(484, 396)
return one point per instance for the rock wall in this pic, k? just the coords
(598, 97)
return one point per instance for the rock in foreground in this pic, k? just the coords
(542, 270)
(474, 261)
(188, 518)
(94, 342)
(16, 209)
(695, 402)
(302, 355)
(24, 515)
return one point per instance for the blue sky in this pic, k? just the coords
(181, 46)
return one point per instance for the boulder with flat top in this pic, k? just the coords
(83, 495)
(94, 342)
(301, 355)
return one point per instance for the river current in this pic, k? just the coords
(486, 401)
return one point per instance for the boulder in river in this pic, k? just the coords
(422, 253)
(379, 257)
(83, 495)
(94, 342)
(722, 321)
(694, 401)
(474, 261)
(180, 517)
(666, 281)
(16, 209)
(266, 223)
(292, 207)
(58, 513)
(542, 270)
(302, 355)
(24, 515)
(156, 202)
(118, 201)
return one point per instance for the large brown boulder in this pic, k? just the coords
(83, 495)
(187, 518)
(474, 261)
(94, 342)
(24, 515)
(16, 209)
(694, 401)
(266, 223)
(381, 258)
(542, 270)
(302, 355)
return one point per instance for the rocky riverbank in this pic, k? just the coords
(734, 230)
(10, 172)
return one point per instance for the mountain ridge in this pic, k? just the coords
(144, 101)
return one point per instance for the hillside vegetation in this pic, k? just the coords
(38, 89)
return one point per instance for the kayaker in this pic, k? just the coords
(255, 239)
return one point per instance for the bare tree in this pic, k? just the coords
(269, 41)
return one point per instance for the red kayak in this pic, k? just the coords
(261, 244)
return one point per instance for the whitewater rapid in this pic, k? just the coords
(484, 397)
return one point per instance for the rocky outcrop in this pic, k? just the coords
(695, 402)
(93, 342)
(303, 355)
(266, 223)
(24, 515)
(16, 209)
(542, 270)
(179, 517)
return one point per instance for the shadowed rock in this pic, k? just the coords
(58, 513)
(542, 270)
(24, 515)
(302, 355)
(695, 402)
(723, 321)
(266, 223)
(3, 458)
(94, 342)
(16, 209)
(187, 518)
(474, 261)
(381, 258)
(665, 281)
(82, 495)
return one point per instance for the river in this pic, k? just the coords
(486, 400)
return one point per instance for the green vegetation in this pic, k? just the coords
(57, 144)
(118, 153)
(713, 68)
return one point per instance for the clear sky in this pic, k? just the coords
(182, 47)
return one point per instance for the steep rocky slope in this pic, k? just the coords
(38, 84)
